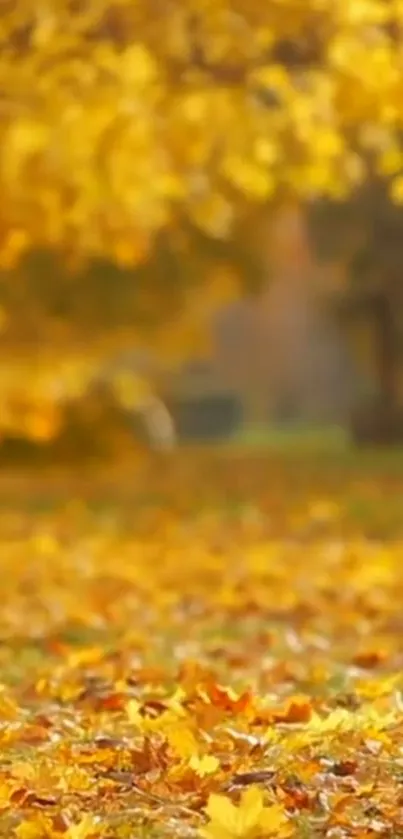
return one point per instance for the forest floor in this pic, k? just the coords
(208, 645)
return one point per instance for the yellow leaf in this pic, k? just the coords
(74, 779)
(24, 771)
(250, 820)
(206, 765)
(340, 719)
(343, 720)
(223, 818)
(173, 725)
(133, 713)
(30, 830)
(182, 740)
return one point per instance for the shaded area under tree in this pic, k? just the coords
(367, 232)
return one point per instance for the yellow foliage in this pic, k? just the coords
(118, 125)
(112, 118)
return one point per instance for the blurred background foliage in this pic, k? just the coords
(200, 217)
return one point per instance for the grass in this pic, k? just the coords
(294, 438)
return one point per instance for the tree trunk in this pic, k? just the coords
(381, 420)
(386, 350)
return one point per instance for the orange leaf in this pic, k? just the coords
(227, 699)
(296, 709)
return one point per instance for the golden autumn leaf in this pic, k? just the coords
(206, 765)
(32, 829)
(250, 820)
(174, 724)
(181, 740)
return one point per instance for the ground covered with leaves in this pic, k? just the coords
(206, 647)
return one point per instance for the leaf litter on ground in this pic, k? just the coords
(223, 662)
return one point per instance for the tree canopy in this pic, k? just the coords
(139, 140)
(119, 118)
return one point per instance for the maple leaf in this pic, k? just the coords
(297, 709)
(206, 765)
(228, 699)
(250, 820)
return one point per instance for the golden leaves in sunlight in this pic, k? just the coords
(250, 820)
(114, 117)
